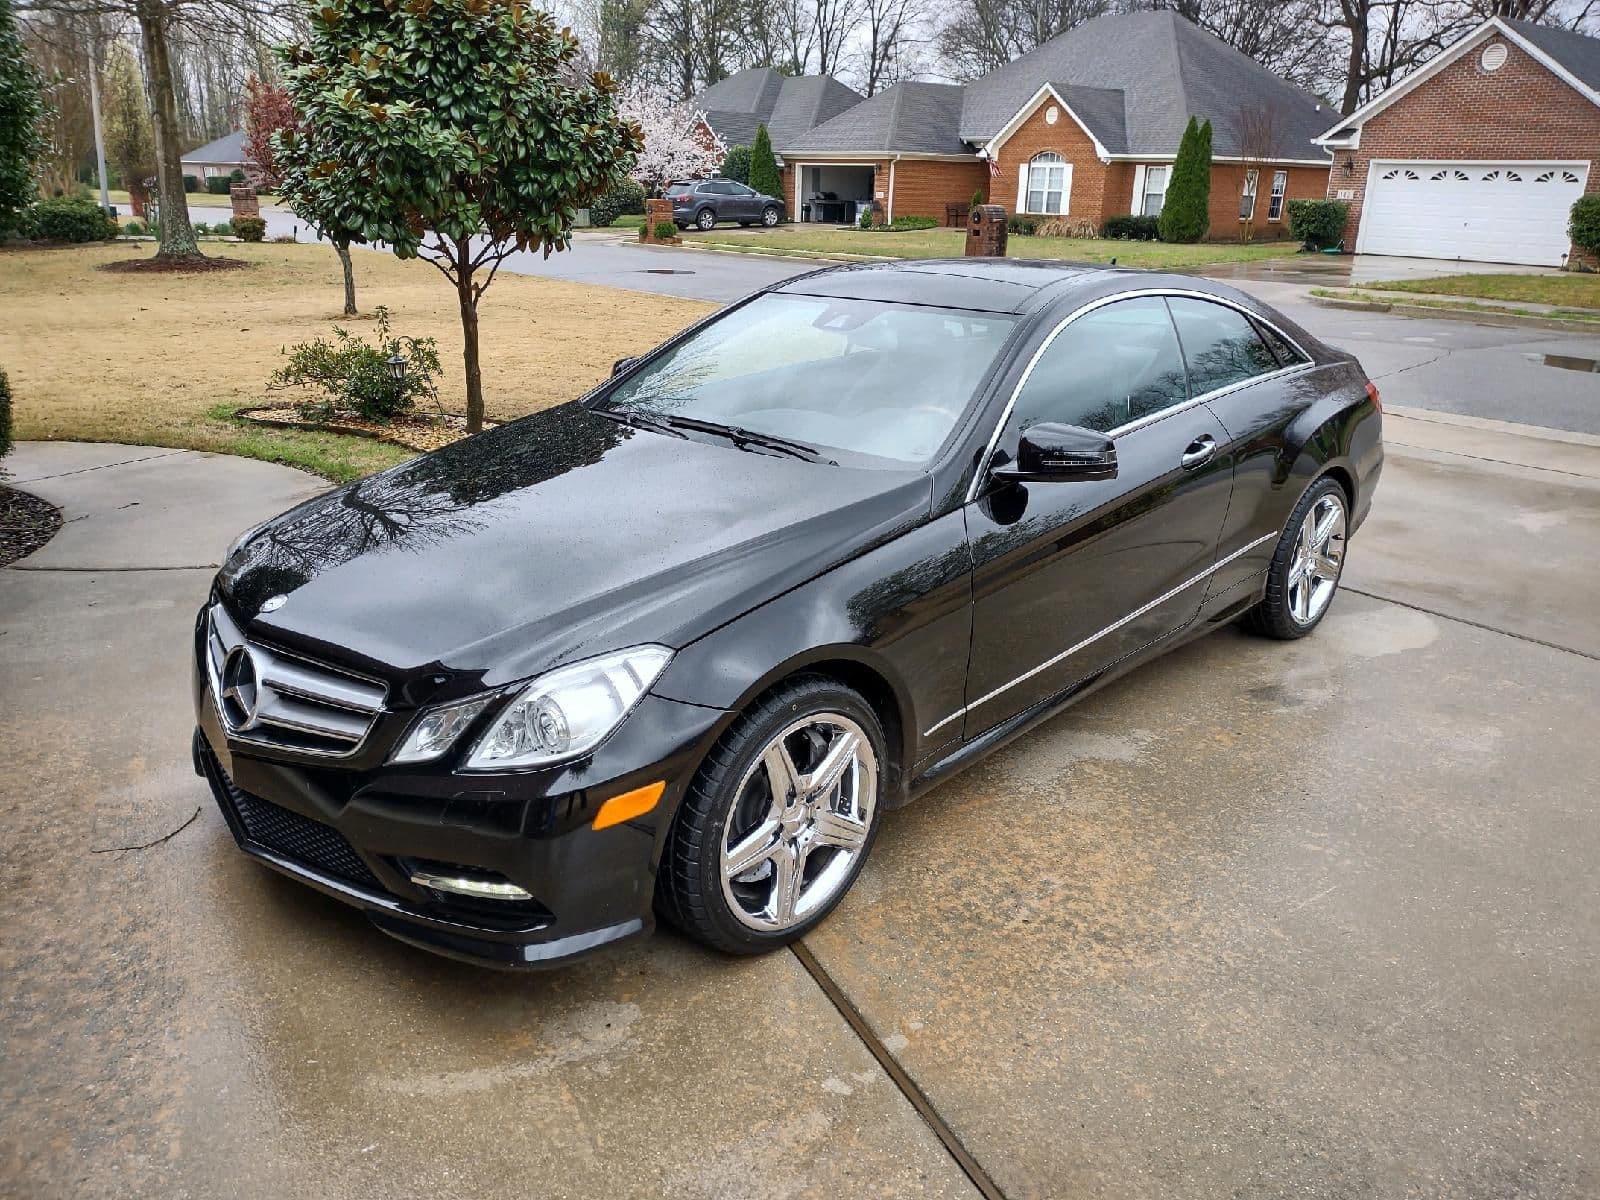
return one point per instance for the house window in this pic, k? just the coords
(1155, 190)
(1280, 184)
(1047, 184)
(1247, 197)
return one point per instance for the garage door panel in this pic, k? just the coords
(1513, 212)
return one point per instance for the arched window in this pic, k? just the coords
(1046, 185)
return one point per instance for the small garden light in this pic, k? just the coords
(397, 367)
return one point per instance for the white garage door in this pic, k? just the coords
(1510, 212)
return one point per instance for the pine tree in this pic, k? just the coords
(21, 115)
(763, 167)
(1186, 213)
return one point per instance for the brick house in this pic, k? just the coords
(1479, 154)
(1083, 127)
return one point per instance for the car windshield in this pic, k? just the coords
(886, 382)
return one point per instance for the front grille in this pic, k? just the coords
(271, 698)
(297, 838)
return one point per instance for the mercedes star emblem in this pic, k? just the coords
(239, 687)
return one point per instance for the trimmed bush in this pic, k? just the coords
(349, 374)
(898, 225)
(764, 175)
(5, 415)
(1022, 226)
(1318, 223)
(218, 185)
(201, 229)
(864, 221)
(236, 176)
(626, 199)
(136, 229)
(736, 164)
(644, 230)
(191, 183)
(666, 231)
(250, 229)
(1133, 228)
(222, 229)
(1186, 213)
(69, 219)
(1584, 227)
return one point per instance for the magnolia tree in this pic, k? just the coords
(286, 161)
(22, 112)
(460, 131)
(677, 144)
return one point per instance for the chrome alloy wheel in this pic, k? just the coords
(800, 822)
(1318, 558)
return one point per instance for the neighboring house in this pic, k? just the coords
(1083, 127)
(221, 157)
(787, 105)
(1479, 154)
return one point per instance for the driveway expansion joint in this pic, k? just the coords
(24, 566)
(1444, 616)
(126, 462)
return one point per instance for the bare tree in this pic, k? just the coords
(1282, 35)
(889, 27)
(1257, 127)
(835, 22)
(990, 33)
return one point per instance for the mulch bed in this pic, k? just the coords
(173, 266)
(414, 431)
(26, 523)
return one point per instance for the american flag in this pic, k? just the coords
(994, 168)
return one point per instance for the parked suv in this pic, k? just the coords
(712, 200)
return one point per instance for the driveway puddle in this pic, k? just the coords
(1567, 362)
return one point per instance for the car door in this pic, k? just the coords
(1069, 578)
(748, 201)
(1256, 381)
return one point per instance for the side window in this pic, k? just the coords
(1220, 345)
(718, 189)
(1109, 367)
(1286, 354)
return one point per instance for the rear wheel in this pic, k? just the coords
(706, 219)
(1306, 566)
(778, 822)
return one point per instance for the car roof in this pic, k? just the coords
(1000, 285)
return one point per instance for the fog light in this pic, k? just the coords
(465, 885)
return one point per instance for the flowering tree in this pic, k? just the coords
(267, 109)
(677, 144)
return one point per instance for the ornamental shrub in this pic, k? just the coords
(1584, 228)
(736, 164)
(222, 229)
(1022, 226)
(5, 415)
(1318, 223)
(250, 229)
(764, 175)
(191, 183)
(864, 221)
(666, 231)
(350, 375)
(626, 199)
(200, 228)
(69, 219)
(1133, 228)
(1186, 212)
(218, 185)
(136, 229)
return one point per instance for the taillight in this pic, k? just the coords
(1372, 394)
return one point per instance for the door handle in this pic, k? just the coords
(1199, 452)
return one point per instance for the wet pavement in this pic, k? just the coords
(1260, 919)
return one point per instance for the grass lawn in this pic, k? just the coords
(1580, 290)
(1427, 301)
(166, 359)
(949, 243)
(196, 199)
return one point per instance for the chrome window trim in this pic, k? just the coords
(1005, 413)
(1095, 637)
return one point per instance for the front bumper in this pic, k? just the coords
(358, 836)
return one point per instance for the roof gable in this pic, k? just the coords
(911, 118)
(226, 149)
(787, 105)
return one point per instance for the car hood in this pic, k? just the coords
(558, 536)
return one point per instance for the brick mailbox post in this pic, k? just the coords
(245, 201)
(655, 212)
(986, 232)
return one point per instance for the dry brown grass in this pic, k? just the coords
(163, 359)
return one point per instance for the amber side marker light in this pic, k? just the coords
(1372, 393)
(629, 805)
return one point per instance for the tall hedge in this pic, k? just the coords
(764, 175)
(736, 164)
(1186, 212)
(1584, 227)
(21, 118)
(5, 415)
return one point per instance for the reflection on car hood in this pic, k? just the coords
(561, 535)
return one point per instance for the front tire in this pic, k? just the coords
(706, 220)
(778, 822)
(769, 216)
(1306, 566)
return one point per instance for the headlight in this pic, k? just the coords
(437, 731)
(570, 711)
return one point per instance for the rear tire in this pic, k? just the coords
(1306, 566)
(751, 864)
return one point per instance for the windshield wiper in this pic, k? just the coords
(640, 421)
(742, 437)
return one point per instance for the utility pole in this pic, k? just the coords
(99, 135)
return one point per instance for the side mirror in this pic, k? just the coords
(1048, 453)
(621, 365)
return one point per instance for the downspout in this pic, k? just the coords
(888, 209)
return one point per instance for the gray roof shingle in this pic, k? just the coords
(787, 105)
(226, 149)
(913, 118)
(1578, 53)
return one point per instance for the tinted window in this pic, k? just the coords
(718, 189)
(1109, 367)
(680, 189)
(1286, 354)
(886, 381)
(1220, 345)
(740, 190)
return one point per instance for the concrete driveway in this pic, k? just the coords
(1316, 919)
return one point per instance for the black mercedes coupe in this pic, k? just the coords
(676, 647)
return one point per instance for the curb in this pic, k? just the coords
(1477, 316)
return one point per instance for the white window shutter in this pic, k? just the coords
(1136, 205)
(1022, 189)
(1066, 191)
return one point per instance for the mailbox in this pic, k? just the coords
(986, 231)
